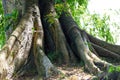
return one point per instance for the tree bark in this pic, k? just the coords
(17, 47)
(44, 65)
(79, 43)
(56, 32)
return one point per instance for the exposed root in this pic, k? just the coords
(82, 46)
(105, 53)
(44, 66)
(99, 61)
(92, 68)
(103, 44)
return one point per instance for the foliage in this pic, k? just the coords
(2, 23)
(49, 18)
(114, 69)
(7, 21)
(59, 7)
(77, 6)
(74, 6)
(97, 26)
(11, 19)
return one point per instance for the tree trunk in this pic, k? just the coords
(56, 32)
(40, 34)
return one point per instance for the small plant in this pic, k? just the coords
(7, 21)
(114, 69)
(113, 73)
(2, 24)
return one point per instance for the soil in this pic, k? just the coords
(67, 73)
(72, 73)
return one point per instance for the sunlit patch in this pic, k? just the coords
(100, 6)
(39, 42)
(0, 16)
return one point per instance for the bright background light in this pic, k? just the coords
(111, 8)
(100, 6)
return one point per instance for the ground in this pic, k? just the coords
(67, 73)
(72, 73)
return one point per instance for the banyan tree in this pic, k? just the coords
(40, 32)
